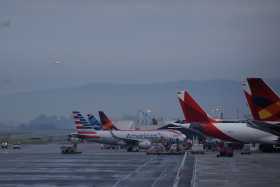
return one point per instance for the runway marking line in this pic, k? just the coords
(160, 176)
(135, 171)
(194, 175)
(178, 175)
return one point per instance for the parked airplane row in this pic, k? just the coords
(264, 105)
(106, 133)
(263, 102)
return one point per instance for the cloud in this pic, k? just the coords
(138, 41)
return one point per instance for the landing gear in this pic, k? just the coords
(268, 148)
(132, 149)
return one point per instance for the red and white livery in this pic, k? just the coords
(228, 131)
(264, 103)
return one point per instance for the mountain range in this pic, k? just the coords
(119, 99)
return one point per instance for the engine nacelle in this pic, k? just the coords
(145, 144)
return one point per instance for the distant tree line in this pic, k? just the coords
(44, 122)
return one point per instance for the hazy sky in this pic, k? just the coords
(45, 44)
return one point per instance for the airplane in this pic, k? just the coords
(263, 102)
(171, 135)
(264, 105)
(86, 131)
(132, 139)
(232, 131)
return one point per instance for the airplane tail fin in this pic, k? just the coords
(264, 103)
(94, 122)
(192, 111)
(80, 121)
(106, 123)
(251, 105)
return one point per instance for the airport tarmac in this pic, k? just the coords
(44, 165)
(255, 170)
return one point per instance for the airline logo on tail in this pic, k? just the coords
(94, 122)
(192, 111)
(83, 127)
(263, 102)
(195, 114)
(269, 111)
(80, 121)
(106, 123)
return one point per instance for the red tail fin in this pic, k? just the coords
(192, 111)
(265, 103)
(260, 89)
(107, 124)
(251, 105)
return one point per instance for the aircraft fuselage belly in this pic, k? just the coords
(240, 132)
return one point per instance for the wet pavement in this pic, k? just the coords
(255, 170)
(43, 165)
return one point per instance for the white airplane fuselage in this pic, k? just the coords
(236, 132)
(116, 137)
(243, 132)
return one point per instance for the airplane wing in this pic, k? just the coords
(273, 127)
(187, 129)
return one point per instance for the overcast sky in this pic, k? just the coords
(46, 44)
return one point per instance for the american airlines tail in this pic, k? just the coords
(94, 122)
(263, 102)
(106, 123)
(80, 121)
(192, 111)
